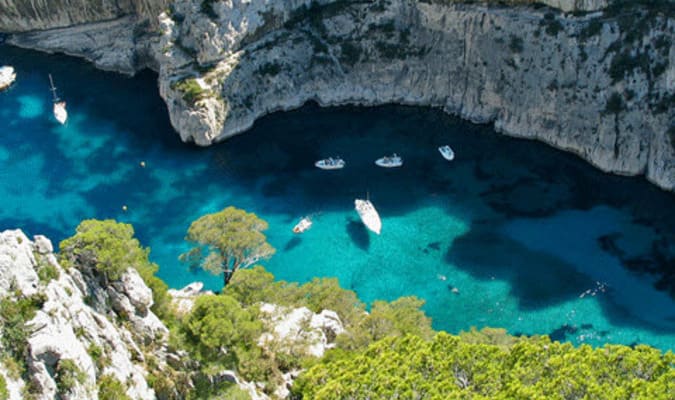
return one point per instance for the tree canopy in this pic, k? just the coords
(449, 367)
(111, 248)
(227, 241)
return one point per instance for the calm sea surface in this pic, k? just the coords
(535, 240)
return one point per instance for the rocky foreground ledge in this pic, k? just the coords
(88, 338)
(598, 84)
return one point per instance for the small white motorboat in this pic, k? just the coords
(303, 225)
(7, 77)
(447, 152)
(368, 214)
(59, 109)
(389, 161)
(330, 163)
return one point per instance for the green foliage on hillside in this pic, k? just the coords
(111, 248)
(109, 388)
(68, 375)
(4, 393)
(191, 90)
(449, 367)
(15, 312)
(226, 241)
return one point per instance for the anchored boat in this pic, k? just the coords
(447, 152)
(330, 163)
(368, 214)
(389, 161)
(60, 112)
(303, 225)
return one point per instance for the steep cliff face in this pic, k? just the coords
(601, 85)
(29, 15)
(595, 85)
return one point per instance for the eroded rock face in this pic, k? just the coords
(558, 78)
(69, 326)
(29, 15)
(589, 84)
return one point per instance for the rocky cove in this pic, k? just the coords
(592, 78)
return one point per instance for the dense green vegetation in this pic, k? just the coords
(15, 312)
(191, 89)
(68, 375)
(227, 241)
(4, 393)
(110, 247)
(109, 388)
(450, 367)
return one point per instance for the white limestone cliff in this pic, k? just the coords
(575, 82)
(69, 325)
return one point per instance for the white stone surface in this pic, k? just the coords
(66, 326)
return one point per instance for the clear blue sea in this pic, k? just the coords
(535, 240)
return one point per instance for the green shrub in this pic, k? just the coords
(516, 44)
(350, 53)
(68, 375)
(111, 248)
(4, 393)
(14, 316)
(48, 272)
(207, 8)
(109, 388)
(614, 104)
(192, 91)
(271, 69)
(449, 367)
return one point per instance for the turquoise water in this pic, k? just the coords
(534, 240)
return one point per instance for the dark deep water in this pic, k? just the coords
(536, 240)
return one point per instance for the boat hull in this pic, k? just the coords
(60, 112)
(381, 162)
(447, 152)
(327, 165)
(369, 216)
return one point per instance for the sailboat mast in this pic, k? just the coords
(53, 88)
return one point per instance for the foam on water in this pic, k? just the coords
(532, 239)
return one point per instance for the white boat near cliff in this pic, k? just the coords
(368, 214)
(392, 161)
(304, 224)
(7, 77)
(59, 108)
(447, 152)
(330, 163)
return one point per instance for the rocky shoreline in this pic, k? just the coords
(590, 84)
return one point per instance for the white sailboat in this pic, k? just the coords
(447, 152)
(368, 214)
(7, 77)
(60, 112)
(304, 224)
(330, 163)
(389, 161)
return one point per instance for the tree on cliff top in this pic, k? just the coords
(227, 241)
(111, 248)
(107, 245)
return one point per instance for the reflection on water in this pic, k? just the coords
(532, 239)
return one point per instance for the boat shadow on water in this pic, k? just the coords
(358, 233)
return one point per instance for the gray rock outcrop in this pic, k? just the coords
(599, 85)
(74, 323)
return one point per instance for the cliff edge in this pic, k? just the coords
(600, 84)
